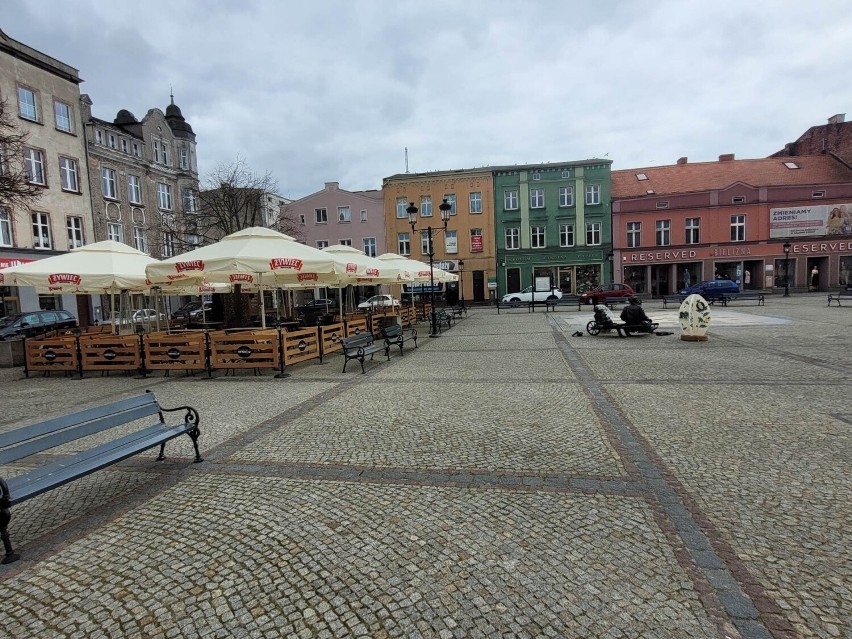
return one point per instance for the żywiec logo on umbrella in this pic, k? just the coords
(241, 277)
(351, 268)
(194, 265)
(372, 272)
(422, 273)
(285, 262)
(307, 277)
(63, 278)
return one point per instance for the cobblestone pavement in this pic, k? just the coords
(506, 480)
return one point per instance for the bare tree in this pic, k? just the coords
(16, 189)
(232, 197)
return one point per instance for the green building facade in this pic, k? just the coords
(553, 220)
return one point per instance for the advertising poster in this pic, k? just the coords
(810, 221)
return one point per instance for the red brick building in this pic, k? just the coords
(684, 223)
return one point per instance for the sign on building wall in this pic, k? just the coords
(810, 221)
(476, 244)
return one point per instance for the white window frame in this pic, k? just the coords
(513, 238)
(189, 201)
(566, 235)
(593, 233)
(5, 228)
(451, 200)
(424, 243)
(663, 233)
(137, 150)
(28, 109)
(593, 194)
(115, 231)
(510, 200)
(108, 185)
(112, 141)
(68, 174)
(155, 145)
(476, 202)
(64, 121)
(451, 242)
(99, 137)
(401, 205)
(321, 216)
(140, 240)
(302, 219)
(738, 228)
(425, 206)
(74, 225)
(370, 247)
(34, 166)
(183, 155)
(692, 230)
(164, 196)
(403, 243)
(344, 214)
(634, 234)
(321, 244)
(123, 145)
(134, 189)
(345, 242)
(538, 237)
(566, 196)
(536, 198)
(363, 215)
(42, 239)
(169, 244)
(166, 152)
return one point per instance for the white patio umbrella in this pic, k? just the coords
(255, 256)
(362, 270)
(416, 272)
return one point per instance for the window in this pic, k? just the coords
(302, 219)
(566, 196)
(321, 244)
(566, 235)
(425, 206)
(634, 234)
(5, 229)
(476, 241)
(738, 199)
(115, 232)
(692, 228)
(134, 189)
(662, 205)
(344, 214)
(593, 194)
(738, 228)
(137, 150)
(164, 196)
(68, 174)
(140, 240)
(566, 174)
(112, 142)
(664, 228)
(370, 246)
(513, 239)
(403, 244)
(165, 147)
(123, 145)
(41, 231)
(536, 198)
(476, 202)
(537, 237)
(345, 242)
(193, 241)
(593, 233)
(168, 244)
(510, 200)
(99, 136)
(321, 216)
(75, 232)
(27, 104)
(641, 177)
(189, 201)
(108, 183)
(183, 157)
(363, 215)
(818, 194)
(424, 244)
(401, 205)
(451, 241)
(536, 176)
(451, 200)
(34, 166)
(155, 146)
(63, 116)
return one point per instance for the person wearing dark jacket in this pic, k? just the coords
(634, 315)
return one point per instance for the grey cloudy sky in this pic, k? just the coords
(334, 90)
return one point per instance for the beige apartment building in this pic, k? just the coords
(466, 247)
(42, 97)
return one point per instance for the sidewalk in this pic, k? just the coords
(507, 479)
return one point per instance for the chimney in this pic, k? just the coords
(331, 186)
(727, 157)
(840, 118)
(681, 160)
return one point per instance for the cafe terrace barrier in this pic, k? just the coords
(408, 316)
(188, 350)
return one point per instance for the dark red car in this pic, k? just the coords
(598, 293)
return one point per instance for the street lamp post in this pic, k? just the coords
(461, 281)
(445, 208)
(786, 269)
(610, 256)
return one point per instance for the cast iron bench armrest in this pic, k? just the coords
(837, 297)
(395, 336)
(359, 346)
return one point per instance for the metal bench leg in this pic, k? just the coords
(5, 518)
(193, 435)
(162, 454)
(361, 359)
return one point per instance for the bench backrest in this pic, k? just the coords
(357, 341)
(395, 330)
(29, 440)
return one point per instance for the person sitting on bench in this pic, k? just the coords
(634, 315)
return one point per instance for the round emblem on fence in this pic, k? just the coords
(110, 354)
(50, 355)
(173, 353)
(244, 352)
(335, 337)
(303, 345)
(358, 330)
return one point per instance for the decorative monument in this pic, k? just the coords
(694, 319)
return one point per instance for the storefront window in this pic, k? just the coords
(781, 273)
(845, 276)
(588, 277)
(635, 277)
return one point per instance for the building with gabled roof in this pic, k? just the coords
(680, 224)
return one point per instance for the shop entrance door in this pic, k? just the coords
(817, 273)
(513, 280)
(660, 279)
(478, 286)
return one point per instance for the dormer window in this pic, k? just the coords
(818, 194)
(536, 176)
(662, 205)
(738, 199)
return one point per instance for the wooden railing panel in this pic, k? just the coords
(176, 351)
(300, 346)
(356, 326)
(104, 352)
(51, 354)
(332, 338)
(244, 349)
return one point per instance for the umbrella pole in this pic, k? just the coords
(262, 306)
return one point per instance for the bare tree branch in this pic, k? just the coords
(16, 190)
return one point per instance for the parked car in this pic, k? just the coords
(192, 311)
(598, 293)
(526, 296)
(140, 316)
(379, 300)
(310, 312)
(711, 289)
(35, 323)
